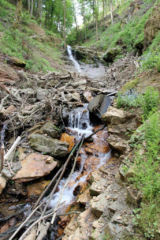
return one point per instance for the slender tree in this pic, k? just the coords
(18, 13)
(64, 23)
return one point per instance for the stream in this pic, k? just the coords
(94, 153)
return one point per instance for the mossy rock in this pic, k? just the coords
(130, 85)
(16, 61)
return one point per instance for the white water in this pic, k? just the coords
(79, 124)
(76, 64)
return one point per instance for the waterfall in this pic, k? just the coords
(76, 64)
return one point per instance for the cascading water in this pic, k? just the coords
(76, 64)
(78, 124)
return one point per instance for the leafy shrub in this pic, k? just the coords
(150, 101)
(148, 218)
(147, 177)
(128, 99)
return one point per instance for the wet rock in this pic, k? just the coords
(87, 96)
(2, 184)
(99, 105)
(95, 103)
(111, 54)
(69, 139)
(90, 140)
(34, 166)
(105, 104)
(98, 146)
(42, 93)
(36, 188)
(118, 143)
(49, 145)
(50, 129)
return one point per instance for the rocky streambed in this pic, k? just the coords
(49, 120)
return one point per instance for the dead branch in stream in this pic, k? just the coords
(74, 164)
(2, 158)
(49, 198)
(41, 218)
(47, 188)
(95, 132)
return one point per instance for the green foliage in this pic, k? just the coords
(151, 58)
(149, 103)
(128, 99)
(147, 218)
(147, 177)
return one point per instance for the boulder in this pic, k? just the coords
(2, 184)
(95, 103)
(41, 93)
(99, 105)
(50, 129)
(34, 166)
(111, 54)
(49, 145)
(118, 143)
(114, 116)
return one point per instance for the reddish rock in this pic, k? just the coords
(69, 139)
(34, 166)
(36, 188)
(4, 227)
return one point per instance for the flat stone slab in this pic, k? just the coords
(34, 166)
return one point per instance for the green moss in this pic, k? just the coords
(130, 85)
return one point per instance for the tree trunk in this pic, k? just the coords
(103, 8)
(111, 11)
(39, 11)
(64, 25)
(96, 28)
(31, 8)
(18, 13)
(85, 28)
